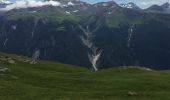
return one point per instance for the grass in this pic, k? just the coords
(48, 80)
(55, 16)
(118, 17)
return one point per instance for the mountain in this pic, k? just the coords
(96, 36)
(108, 4)
(130, 5)
(165, 8)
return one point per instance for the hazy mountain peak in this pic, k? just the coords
(130, 5)
(165, 8)
(166, 5)
(106, 4)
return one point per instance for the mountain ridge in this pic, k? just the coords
(164, 8)
(103, 34)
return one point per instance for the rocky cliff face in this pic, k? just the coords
(95, 36)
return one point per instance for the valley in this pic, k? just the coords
(74, 50)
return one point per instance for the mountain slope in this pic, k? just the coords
(165, 8)
(101, 35)
(48, 80)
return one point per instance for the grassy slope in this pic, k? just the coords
(54, 81)
(121, 17)
(55, 16)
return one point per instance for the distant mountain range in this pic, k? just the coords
(97, 35)
(165, 8)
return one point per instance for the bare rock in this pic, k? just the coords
(4, 69)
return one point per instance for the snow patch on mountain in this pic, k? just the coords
(70, 3)
(75, 11)
(130, 6)
(94, 55)
(14, 27)
(33, 11)
(126, 6)
(67, 12)
(5, 42)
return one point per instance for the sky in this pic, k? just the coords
(141, 3)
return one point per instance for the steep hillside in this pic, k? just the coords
(164, 8)
(99, 36)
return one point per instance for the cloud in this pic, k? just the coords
(5, 1)
(38, 3)
(30, 3)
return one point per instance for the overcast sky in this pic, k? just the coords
(141, 3)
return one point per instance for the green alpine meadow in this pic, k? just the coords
(20, 79)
